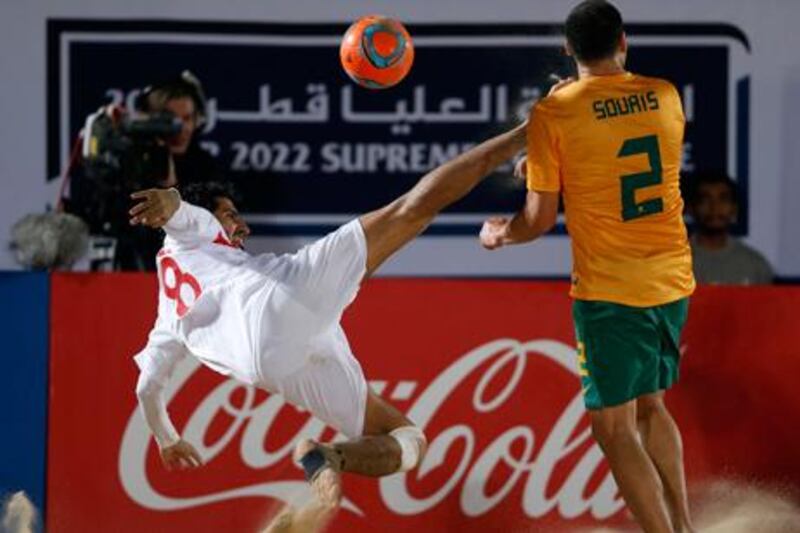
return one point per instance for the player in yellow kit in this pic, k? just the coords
(610, 145)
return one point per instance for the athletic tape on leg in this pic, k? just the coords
(412, 445)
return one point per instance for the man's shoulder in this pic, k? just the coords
(651, 80)
(177, 246)
(556, 107)
(662, 86)
(743, 249)
(562, 98)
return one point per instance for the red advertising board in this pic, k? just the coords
(487, 368)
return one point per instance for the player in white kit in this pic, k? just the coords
(273, 321)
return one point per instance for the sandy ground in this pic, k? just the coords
(735, 507)
(721, 507)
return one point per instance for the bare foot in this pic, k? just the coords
(283, 522)
(321, 466)
(327, 487)
(311, 518)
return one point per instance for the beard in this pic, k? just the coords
(712, 230)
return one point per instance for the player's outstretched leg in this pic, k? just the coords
(662, 441)
(614, 428)
(390, 443)
(391, 227)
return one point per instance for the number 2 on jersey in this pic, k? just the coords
(632, 182)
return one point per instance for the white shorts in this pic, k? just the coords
(331, 385)
(304, 353)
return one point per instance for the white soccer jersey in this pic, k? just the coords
(260, 319)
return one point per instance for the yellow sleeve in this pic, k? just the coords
(676, 102)
(543, 164)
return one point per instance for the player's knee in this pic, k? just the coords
(413, 446)
(607, 429)
(649, 406)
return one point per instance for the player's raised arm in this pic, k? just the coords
(163, 208)
(540, 169)
(154, 207)
(156, 364)
(531, 222)
(542, 172)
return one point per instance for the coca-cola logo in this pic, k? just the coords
(497, 370)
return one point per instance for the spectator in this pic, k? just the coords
(718, 257)
(135, 248)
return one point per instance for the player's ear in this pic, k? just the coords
(623, 43)
(568, 49)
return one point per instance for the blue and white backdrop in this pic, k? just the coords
(309, 149)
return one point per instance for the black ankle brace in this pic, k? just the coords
(313, 463)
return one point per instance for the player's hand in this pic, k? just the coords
(521, 168)
(492, 232)
(180, 456)
(155, 207)
(559, 84)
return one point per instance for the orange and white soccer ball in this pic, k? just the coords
(377, 52)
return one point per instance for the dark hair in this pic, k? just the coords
(593, 29)
(155, 97)
(709, 177)
(207, 194)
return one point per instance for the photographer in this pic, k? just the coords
(153, 145)
(184, 98)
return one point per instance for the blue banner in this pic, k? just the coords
(24, 323)
(308, 147)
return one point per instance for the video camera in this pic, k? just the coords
(126, 151)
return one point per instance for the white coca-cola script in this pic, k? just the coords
(533, 468)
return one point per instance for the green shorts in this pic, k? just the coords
(625, 352)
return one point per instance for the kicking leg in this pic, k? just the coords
(388, 229)
(614, 428)
(390, 444)
(662, 441)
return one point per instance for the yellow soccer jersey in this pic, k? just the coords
(612, 146)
